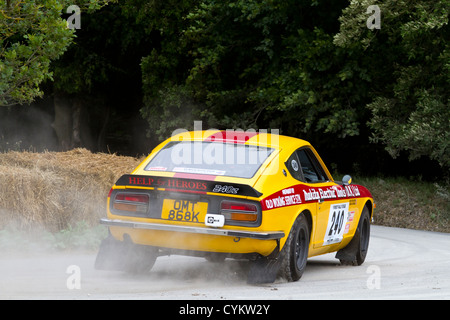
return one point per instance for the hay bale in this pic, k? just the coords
(55, 189)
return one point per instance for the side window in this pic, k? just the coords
(312, 170)
(293, 166)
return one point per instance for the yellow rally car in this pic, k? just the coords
(234, 194)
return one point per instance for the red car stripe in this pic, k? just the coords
(231, 136)
(299, 194)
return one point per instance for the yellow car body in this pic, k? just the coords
(213, 203)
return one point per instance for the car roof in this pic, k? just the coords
(249, 137)
(283, 146)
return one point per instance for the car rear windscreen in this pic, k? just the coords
(213, 158)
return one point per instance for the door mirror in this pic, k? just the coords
(346, 180)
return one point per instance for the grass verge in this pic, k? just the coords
(407, 203)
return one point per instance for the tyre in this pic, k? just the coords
(356, 251)
(295, 251)
(140, 259)
(364, 236)
(125, 256)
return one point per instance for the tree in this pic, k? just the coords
(32, 34)
(97, 80)
(168, 102)
(409, 74)
(256, 64)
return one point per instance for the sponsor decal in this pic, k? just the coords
(350, 217)
(156, 169)
(286, 197)
(347, 228)
(162, 182)
(225, 189)
(187, 185)
(214, 220)
(302, 194)
(333, 192)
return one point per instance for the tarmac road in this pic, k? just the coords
(401, 264)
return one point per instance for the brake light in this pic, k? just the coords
(131, 202)
(132, 197)
(238, 206)
(239, 211)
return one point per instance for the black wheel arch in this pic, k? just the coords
(369, 204)
(308, 217)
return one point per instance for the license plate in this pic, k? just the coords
(184, 210)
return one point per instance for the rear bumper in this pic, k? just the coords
(257, 235)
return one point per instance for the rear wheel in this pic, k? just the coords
(356, 251)
(363, 237)
(295, 251)
(140, 259)
(125, 256)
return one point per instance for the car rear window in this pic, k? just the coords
(213, 158)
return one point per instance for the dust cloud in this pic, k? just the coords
(55, 274)
(50, 203)
(42, 265)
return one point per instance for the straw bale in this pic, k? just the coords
(55, 189)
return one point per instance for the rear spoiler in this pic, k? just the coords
(188, 185)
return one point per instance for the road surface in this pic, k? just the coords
(401, 264)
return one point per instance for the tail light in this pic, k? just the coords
(239, 211)
(132, 202)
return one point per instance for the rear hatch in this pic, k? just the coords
(176, 185)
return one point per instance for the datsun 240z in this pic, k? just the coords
(233, 194)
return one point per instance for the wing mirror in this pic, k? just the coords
(346, 180)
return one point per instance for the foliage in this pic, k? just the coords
(306, 67)
(80, 236)
(409, 202)
(310, 68)
(32, 35)
(88, 67)
(168, 103)
(258, 63)
(410, 74)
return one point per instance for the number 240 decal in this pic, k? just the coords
(336, 223)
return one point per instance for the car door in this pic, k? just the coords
(317, 184)
(331, 212)
(335, 207)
